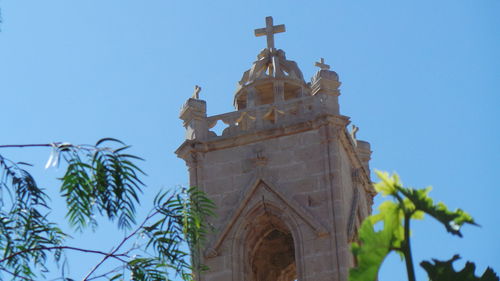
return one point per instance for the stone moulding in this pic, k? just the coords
(363, 175)
(294, 208)
(351, 224)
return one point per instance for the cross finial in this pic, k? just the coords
(321, 64)
(354, 131)
(196, 92)
(269, 31)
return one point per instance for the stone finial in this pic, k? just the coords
(194, 115)
(321, 64)
(325, 80)
(354, 131)
(196, 92)
(269, 31)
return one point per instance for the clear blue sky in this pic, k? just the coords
(420, 78)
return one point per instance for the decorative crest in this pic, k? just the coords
(321, 64)
(269, 31)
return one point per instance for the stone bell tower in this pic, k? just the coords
(290, 182)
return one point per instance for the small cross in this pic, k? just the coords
(269, 31)
(196, 92)
(321, 64)
(354, 131)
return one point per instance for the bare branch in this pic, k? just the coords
(25, 145)
(15, 275)
(107, 273)
(86, 278)
(112, 255)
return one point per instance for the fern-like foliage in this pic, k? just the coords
(26, 235)
(101, 180)
(178, 234)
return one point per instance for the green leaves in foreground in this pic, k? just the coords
(394, 216)
(101, 180)
(444, 271)
(175, 233)
(26, 235)
(376, 245)
(416, 202)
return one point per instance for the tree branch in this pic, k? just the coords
(15, 275)
(25, 145)
(86, 278)
(407, 249)
(107, 273)
(113, 255)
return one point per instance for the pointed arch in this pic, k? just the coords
(267, 242)
(260, 186)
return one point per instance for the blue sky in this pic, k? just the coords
(420, 79)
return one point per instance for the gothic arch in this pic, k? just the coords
(267, 242)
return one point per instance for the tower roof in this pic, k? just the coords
(270, 67)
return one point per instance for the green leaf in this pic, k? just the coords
(452, 220)
(101, 180)
(99, 142)
(444, 271)
(116, 277)
(388, 184)
(374, 245)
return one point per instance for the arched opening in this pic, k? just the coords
(274, 258)
(271, 250)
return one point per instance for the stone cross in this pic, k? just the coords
(196, 92)
(269, 31)
(321, 64)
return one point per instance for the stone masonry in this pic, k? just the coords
(290, 182)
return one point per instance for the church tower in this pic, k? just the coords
(290, 182)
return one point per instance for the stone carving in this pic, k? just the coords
(271, 193)
(272, 113)
(271, 64)
(269, 31)
(260, 159)
(321, 64)
(354, 131)
(245, 120)
(196, 92)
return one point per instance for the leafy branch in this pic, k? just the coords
(100, 179)
(24, 223)
(396, 215)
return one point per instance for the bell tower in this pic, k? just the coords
(290, 182)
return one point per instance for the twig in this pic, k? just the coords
(107, 273)
(64, 248)
(86, 278)
(15, 275)
(25, 145)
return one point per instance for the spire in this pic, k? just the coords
(269, 31)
